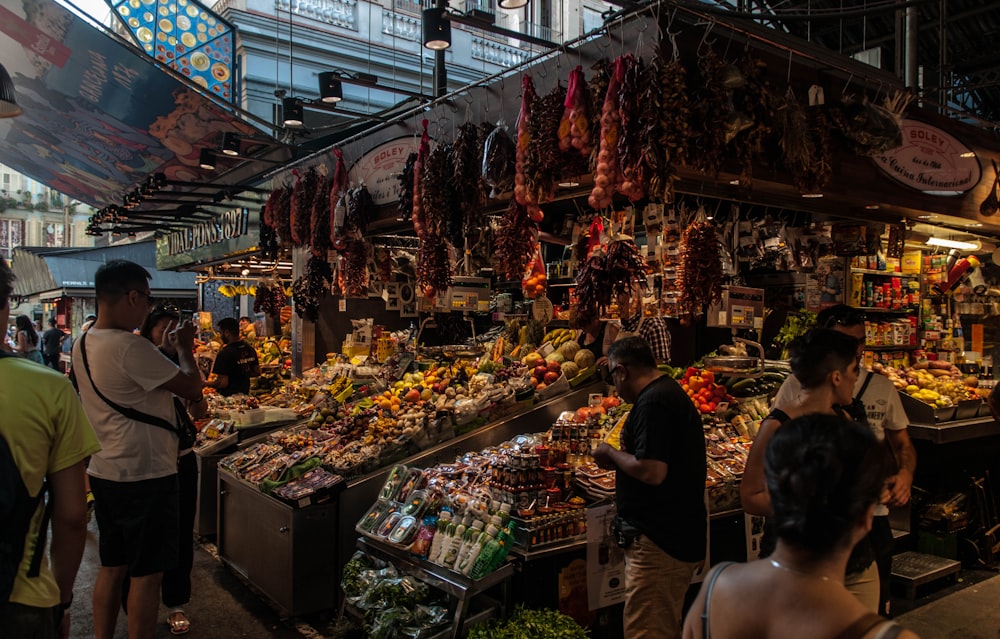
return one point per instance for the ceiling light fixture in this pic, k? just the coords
(511, 4)
(8, 97)
(230, 143)
(293, 111)
(206, 159)
(331, 90)
(568, 184)
(812, 195)
(955, 244)
(436, 28)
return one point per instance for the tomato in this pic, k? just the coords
(705, 408)
(720, 391)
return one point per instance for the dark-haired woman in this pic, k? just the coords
(175, 589)
(824, 475)
(26, 340)
(825, 362)
(595, 335)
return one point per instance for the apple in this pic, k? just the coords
(554, 366)
(550, 377)
(540, 371)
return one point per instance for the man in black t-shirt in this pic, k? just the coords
(236, 363)
(659, 493)
(52, 340)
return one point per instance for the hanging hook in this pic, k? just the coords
(705, 42)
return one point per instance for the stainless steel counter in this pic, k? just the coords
(955, 431)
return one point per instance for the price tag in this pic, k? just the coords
(342, 306)
(542, 310)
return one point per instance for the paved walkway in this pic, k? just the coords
(970, 613)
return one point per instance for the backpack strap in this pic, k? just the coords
(35, 567)
(778, 415)
(131, 413)
(708, 597)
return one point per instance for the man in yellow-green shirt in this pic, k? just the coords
(49, 437)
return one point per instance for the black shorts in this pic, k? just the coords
(138, 523)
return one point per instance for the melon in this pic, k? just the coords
(584, 358)
(555, 357)
(569, 349)
(570, 370)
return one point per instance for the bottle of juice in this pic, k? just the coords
(449, 551)
(425, 537)
(476, 549)
(443, 523)
(468, 540)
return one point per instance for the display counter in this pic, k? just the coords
(955, 431)
(294, 555)
(208, 476)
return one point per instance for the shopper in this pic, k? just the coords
(825, 363)
(52, 340)
(660, 491)
(875, 402)
(26, 340)
(825, 476)
(45, 432)
(652, 329)
(176, 588)
(593, 333)
(127, 387)
(236, 363)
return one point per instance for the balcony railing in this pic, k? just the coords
(339, 13)
(496, 53)
(407, 6)
(401, 26)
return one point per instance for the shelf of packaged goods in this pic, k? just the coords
(889, 311)
(906, 347)
(463, 589)
(867, 271)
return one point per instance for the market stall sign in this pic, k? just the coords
(931, 161)
(230, 233)
(379, 169)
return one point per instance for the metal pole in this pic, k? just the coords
(440, 72)
(910, 77)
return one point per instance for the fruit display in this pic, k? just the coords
(939, 384)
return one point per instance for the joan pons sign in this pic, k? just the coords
(231, 233)
(931, 161)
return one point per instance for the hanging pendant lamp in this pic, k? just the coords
(331, 90)
(511, 4)
(230, 143)
(8, 97)
(293, 111)
(437, 29)
(206, 160)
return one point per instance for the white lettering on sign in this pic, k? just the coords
(931, 161)
(379, 169)
(227, 226)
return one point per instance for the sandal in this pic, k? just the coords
(178, 622)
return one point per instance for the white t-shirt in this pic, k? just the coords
(128, 369)
(882, 405)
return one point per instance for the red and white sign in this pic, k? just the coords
(379, 169)
(931, 161)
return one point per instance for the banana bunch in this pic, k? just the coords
(338, 385)
(228, 290)
(559, 336)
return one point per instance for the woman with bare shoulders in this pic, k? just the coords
(824, 476)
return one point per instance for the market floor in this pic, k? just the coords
(223, 606)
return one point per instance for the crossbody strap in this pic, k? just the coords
(131, 413)
(708, 597)
(864, 385)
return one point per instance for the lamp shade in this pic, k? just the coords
(293, 111)
(437, 29)
(511, 4)
(230, 143)
(331, 90)
(8, 98)
(206, 160)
